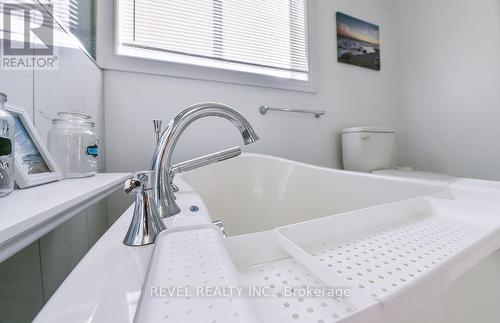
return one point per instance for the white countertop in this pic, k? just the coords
(26, 215)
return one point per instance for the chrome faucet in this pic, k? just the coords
(157, 129)
(162, 158)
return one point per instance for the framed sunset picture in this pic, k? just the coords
(357, 42)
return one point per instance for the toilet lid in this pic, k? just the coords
(415, 174)
(368, 129)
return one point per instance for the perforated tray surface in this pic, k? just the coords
(382, 262)
(282, 277)
(182, 262)
(394, 258)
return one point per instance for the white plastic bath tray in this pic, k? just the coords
(399, 254)
(392, 258)
(198, 256)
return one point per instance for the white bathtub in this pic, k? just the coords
(255, 192)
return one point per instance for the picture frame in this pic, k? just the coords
(33, 163)
(358, 42)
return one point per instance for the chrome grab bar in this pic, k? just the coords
(264, 108)
(205, 160)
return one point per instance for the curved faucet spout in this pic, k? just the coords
(162, 158)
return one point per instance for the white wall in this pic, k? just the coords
(448, 55)
(350, 95)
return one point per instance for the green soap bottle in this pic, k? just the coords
(7, 142)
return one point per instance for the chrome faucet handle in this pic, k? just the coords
(200, 162)
(131, 185)
(205, 160)
(175, 188)
(157, 129)
(146, 223)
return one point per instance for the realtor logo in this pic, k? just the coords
(28, 36)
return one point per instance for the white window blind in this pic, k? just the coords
(67, 12)
(30, 12)
(259, 36)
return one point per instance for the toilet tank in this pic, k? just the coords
(365, 149)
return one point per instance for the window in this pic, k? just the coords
(66, 13)
(77, 18)
(267, 37)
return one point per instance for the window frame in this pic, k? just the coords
(108, 58)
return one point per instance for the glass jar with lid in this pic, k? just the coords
(74, 145)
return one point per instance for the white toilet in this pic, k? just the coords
(372, 149)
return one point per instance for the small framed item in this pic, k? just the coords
(33, 163)
(358, 42)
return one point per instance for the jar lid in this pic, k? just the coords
(77, 122)
(73, 115)
(74, 118)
